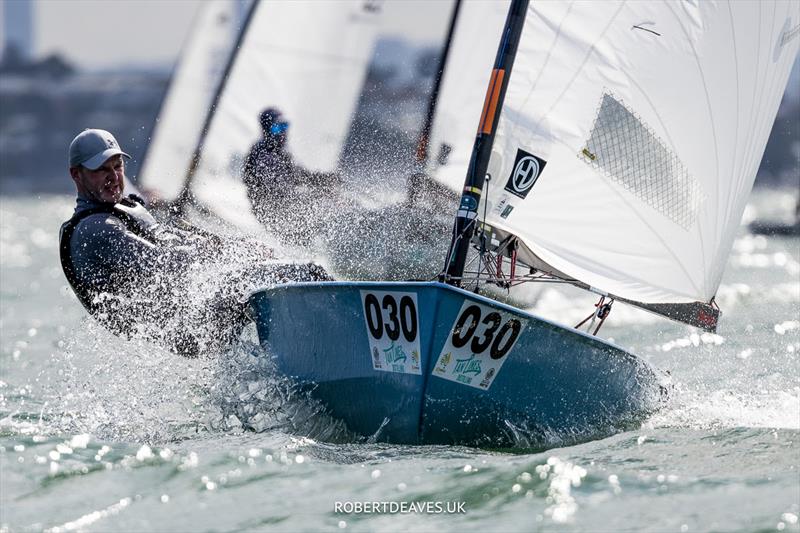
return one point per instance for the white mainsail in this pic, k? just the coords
(185, 107)
(478, 29)
(630, 136)
(308, 59)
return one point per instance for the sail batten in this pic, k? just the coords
(630, 136)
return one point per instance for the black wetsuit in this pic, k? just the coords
(130, 273)
(270, 176)
(126, 268)
(288, 200)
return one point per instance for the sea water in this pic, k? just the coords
(100, 434)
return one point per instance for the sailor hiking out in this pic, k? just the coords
(132, 272)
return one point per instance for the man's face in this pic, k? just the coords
(104, 184)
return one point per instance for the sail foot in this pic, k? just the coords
(698, 314)
(500, 243)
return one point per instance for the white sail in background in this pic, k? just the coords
(631, 134)
(186, 104)
(306, 58)
(478, 29)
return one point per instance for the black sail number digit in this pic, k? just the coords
(388, 318)
(374, 316)
(392, 326)
(495, 334)
(513, 325)
(492, 320)
(408, 318)
(461, 336)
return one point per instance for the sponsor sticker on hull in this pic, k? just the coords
(392, 325)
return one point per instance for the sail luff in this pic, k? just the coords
(193, 82)
(472, 54)
(147, 155)
(470, 199)
(423, 144)
(186, 196)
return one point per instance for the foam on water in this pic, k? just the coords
(137, 391)
(726, 409)
(250, 394)
(147, 394)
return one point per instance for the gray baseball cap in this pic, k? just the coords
(91, 148)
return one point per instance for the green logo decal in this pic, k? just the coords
(395, 354)
(468, 366)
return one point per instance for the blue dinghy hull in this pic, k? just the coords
(428, 363)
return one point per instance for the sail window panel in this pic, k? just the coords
(625, 150)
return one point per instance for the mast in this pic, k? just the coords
(185, 196)
(422, 153)
(479, 161)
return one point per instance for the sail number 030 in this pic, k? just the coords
(496, 335)
(391, 317)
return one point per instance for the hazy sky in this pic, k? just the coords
(107, 33)
(110, 33)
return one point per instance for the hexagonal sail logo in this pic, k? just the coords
(527, 169)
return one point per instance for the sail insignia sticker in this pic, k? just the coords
(503, 207)
(527, 169)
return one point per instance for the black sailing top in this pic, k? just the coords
(125, 267)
